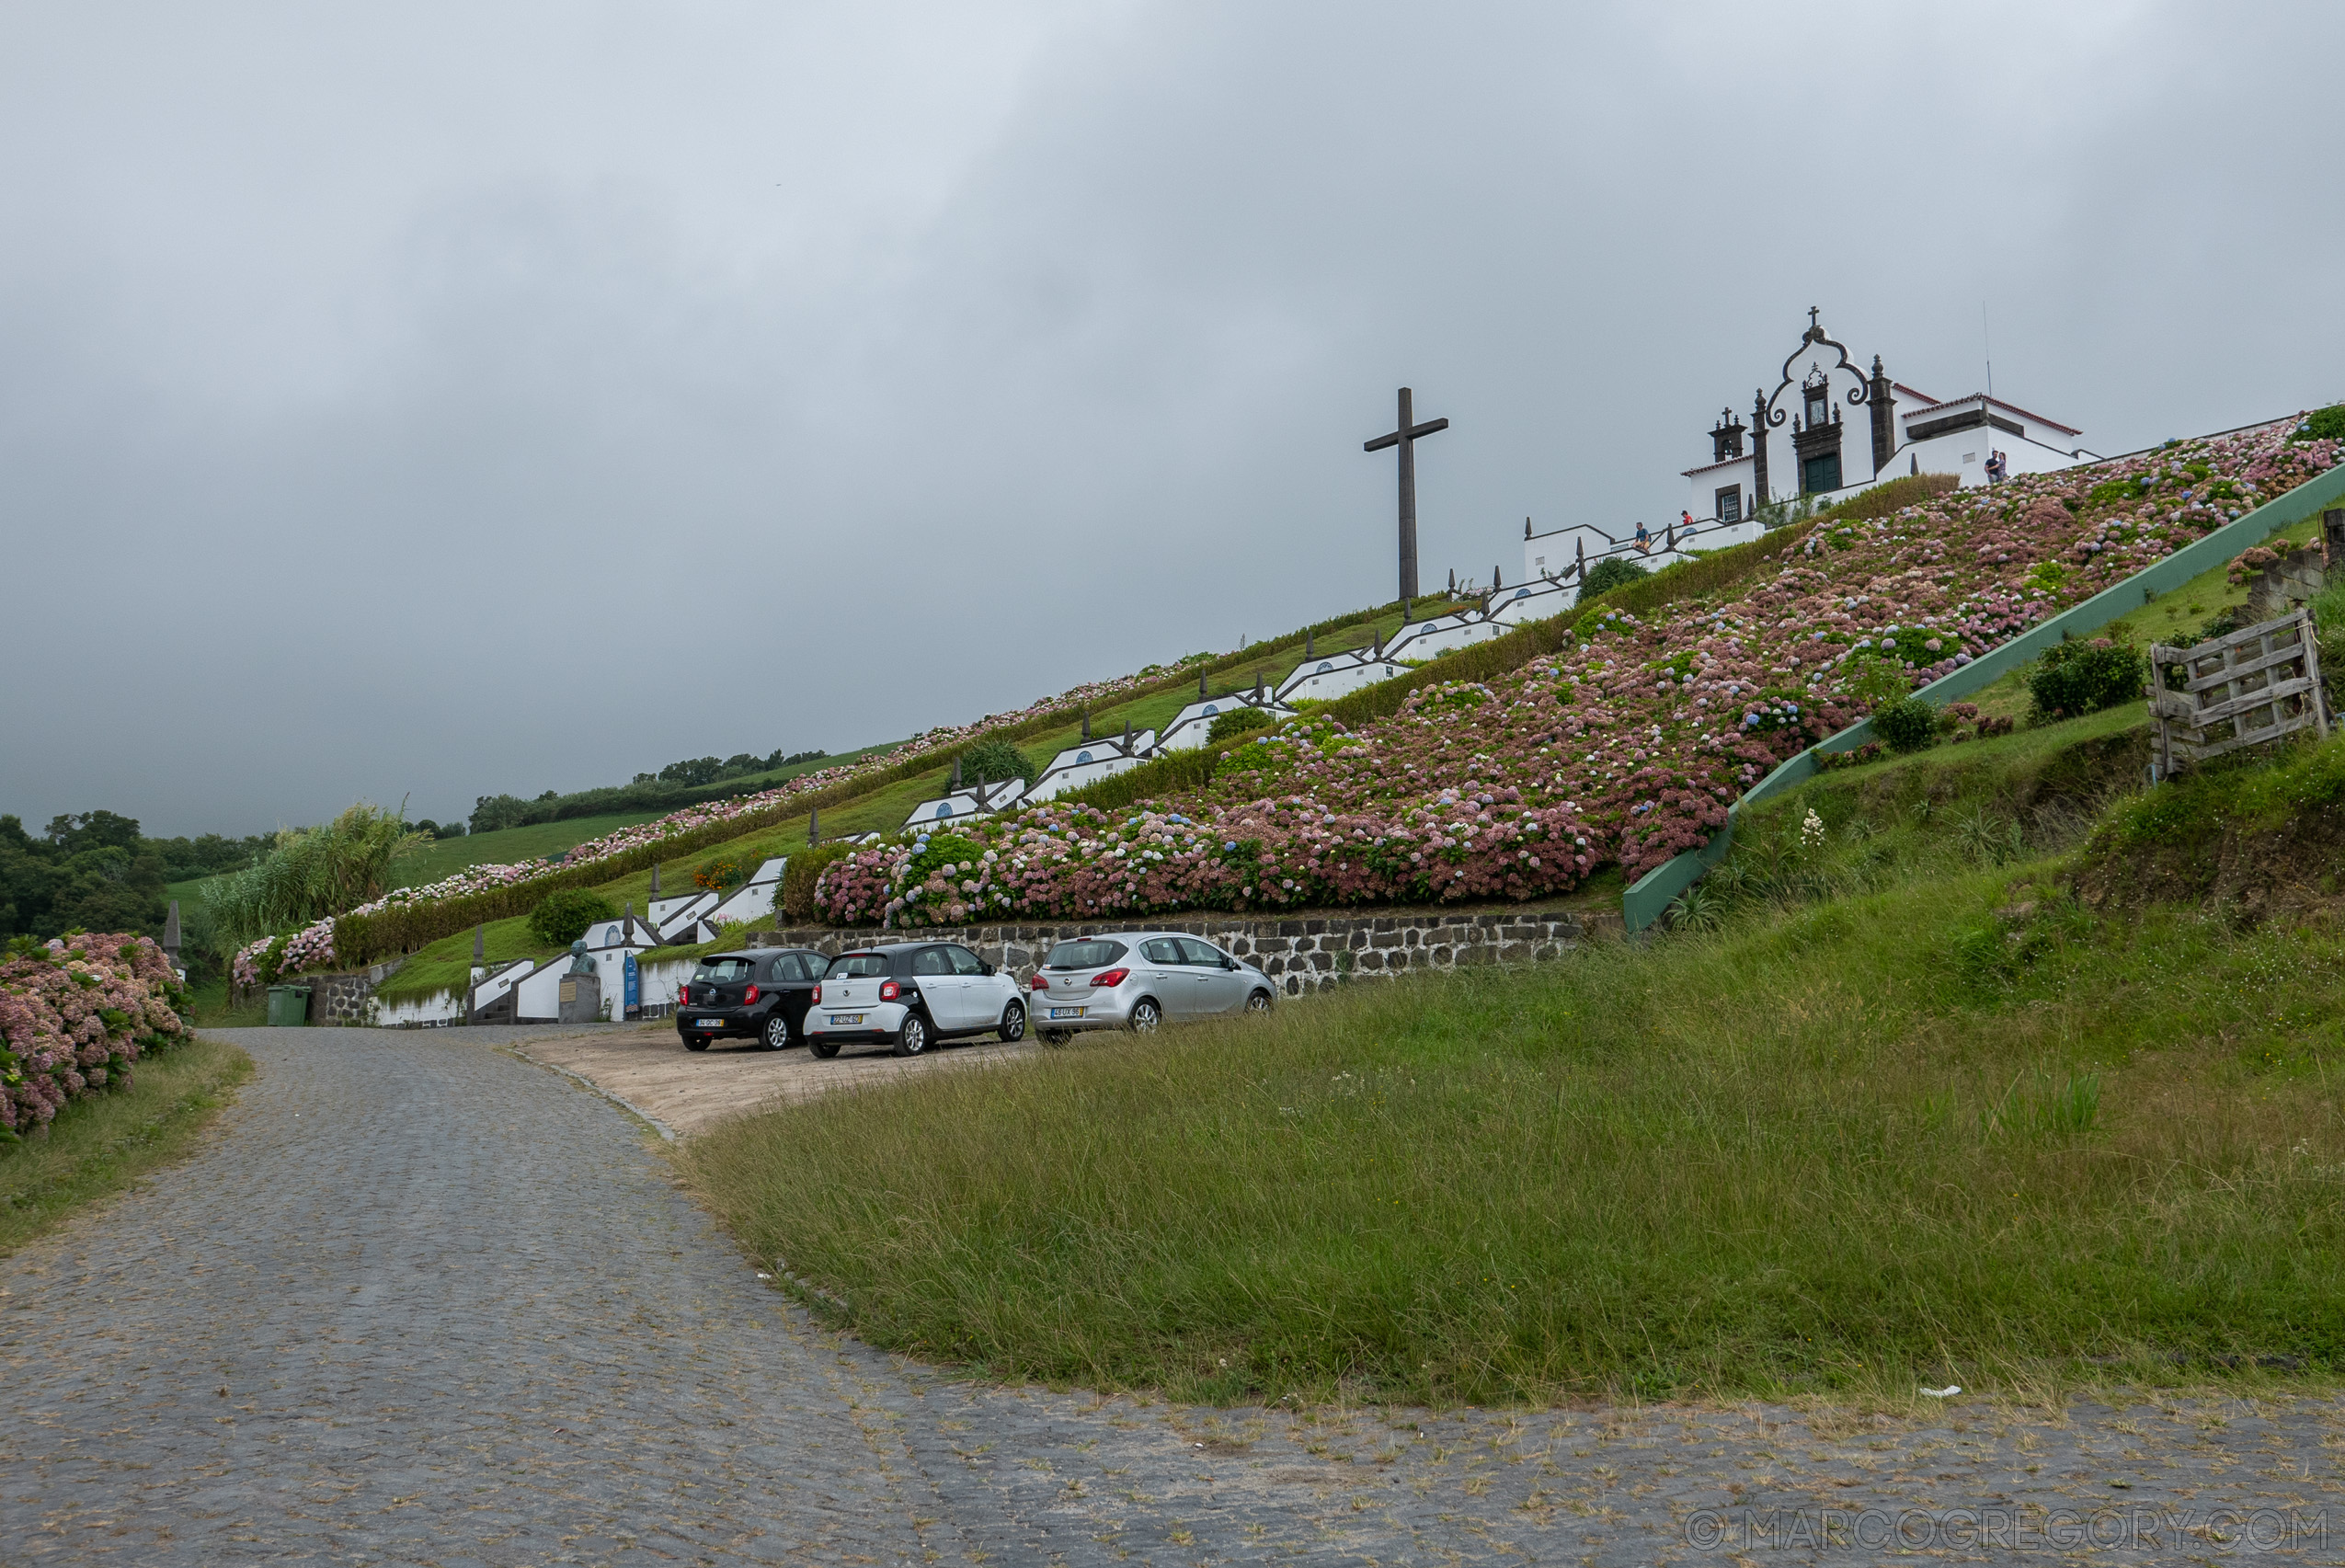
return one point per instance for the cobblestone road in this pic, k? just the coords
(420, 1301)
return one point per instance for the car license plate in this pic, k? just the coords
(708, 1023)
(1067, 1011)
(840, 1020)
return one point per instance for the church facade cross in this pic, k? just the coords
(1406, 436)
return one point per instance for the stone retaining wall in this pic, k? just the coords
(1300, 954)
(335, 998)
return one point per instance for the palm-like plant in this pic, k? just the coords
(310, 872)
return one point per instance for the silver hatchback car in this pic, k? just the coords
(1138, 979)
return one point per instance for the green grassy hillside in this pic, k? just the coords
(445, 965)
(1915, 1112)
(509, 845)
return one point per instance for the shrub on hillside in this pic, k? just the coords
(1962, 721)
(564, 915)
(798, 879)
(2073, 679)
(1237, 721)
(1907, 725)
(1856, 757)
(1609, 574)
(1875, 680)
(2323, 424)
(993, 760)
(716, 875)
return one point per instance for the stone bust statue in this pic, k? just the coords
(580, 962)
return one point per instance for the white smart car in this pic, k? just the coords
(906, 996)
(1137, 979)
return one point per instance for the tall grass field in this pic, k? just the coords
(1890, 1140)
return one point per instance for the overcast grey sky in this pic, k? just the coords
(431, 401)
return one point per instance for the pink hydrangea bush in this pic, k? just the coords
(74, 1015)
(1626, 746)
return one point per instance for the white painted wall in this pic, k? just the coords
(539, 995)
(415, 1013)
(499, 979)
(1321, 680)
(1079, 765)
(1535, 600)
(1963, 454)
(1188, 728)
(1100, 751)
(752, 899)
(1560, 548)
(658, 982)
(1444, 634)
(966, 802)
(663, 910)
(1701, 496)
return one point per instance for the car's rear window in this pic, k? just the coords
(1084, 955)
(857, 965)
(723, 971)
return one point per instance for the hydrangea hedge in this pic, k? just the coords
(75, 1014)
(1624, 747)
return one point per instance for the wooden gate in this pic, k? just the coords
(2254, 685)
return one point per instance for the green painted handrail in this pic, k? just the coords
(1651, 894)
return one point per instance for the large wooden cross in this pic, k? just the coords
(1405, 437)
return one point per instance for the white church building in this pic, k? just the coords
(1849, 429)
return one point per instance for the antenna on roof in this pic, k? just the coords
(1988, 343)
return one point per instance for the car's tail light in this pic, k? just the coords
(750, 998)
(889, 991)
(683, 996)
(1039, 983)
(1110, 979)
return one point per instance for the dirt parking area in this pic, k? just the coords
(688, 1092)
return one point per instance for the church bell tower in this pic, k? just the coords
(1881, 400)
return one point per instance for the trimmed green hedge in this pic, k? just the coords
(1703, 574)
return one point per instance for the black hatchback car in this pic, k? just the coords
(761, 995)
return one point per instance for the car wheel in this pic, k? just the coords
(1054, 1036)
(912, 1039)
(696, 1042)
(1146, 1016)
(1014, 1023)
(777, 1033)
(826, 1050)
(1258, 1002)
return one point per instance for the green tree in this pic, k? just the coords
(1238, 721)
(564, 915)
(1609, 574)
(88, 871)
